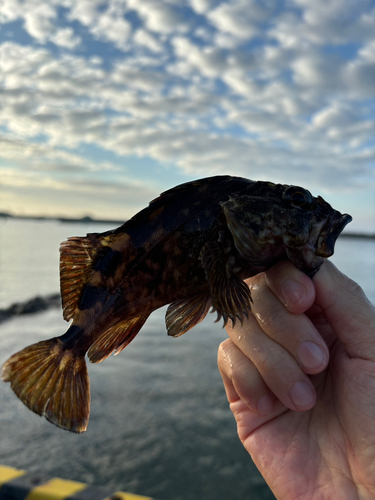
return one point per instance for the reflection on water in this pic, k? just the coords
(160, 423)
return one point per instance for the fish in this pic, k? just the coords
(191, 248)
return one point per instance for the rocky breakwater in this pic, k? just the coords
(34, 305)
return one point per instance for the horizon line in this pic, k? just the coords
(90, 220)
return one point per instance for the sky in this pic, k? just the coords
(105, 104)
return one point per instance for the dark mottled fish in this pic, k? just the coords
(190, 248)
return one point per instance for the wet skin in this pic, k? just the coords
(300, 379)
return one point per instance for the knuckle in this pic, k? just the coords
(241, 367)
(257, 282)
(353, 287)
(271, 317)
(225, 352)
(268, 362)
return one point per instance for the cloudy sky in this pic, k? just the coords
(104, 104)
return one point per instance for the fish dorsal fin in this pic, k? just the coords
(183, 315)
(76, 257)
(115, 338)
(229, 294)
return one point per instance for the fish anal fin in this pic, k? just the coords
(52, 382)
(184, 314)
(115, 338)
(76, 258)
(230, 295)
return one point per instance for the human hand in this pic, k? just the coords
(300, 378)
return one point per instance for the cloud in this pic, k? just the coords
(84, 11)
(39, 21)
(240, 18)
(256, 88)
(337, 21)
(144, 38)
(201, 6)
(332, 23)
(34, 156)
(209, 61)
(360, 73)
(314, 70)
(65, 38)
(159, 16)
(112, 26)
(78, 196)
(333, 116)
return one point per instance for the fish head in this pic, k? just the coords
(276, 221)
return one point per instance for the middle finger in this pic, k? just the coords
(294, 332)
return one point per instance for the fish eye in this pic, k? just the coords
(298, 197)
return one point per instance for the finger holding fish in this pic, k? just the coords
(243, 383)
(284, 347)
(277, 368)
(246, 390)
(281, 296)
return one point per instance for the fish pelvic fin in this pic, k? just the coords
(77, 255)
(115, 338)
(184, 314)
(230, 295)
(53, 382)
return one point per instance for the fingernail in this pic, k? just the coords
(312, 356)
(292, 292)
(265, 404)
(302, 395)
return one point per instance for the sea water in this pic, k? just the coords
(160, 423)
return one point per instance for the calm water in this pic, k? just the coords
(160, 423)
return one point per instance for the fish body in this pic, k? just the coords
(190, 248)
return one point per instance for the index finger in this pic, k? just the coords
(348, 311)
(293, 287)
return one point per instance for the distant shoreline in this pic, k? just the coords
(86, 220)
(89, 220)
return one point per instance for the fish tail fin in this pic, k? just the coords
(53, 382)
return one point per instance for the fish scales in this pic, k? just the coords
(190, 248)
(161, 231)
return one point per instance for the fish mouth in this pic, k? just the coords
(326, 242)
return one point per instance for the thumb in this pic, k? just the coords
(347, 310)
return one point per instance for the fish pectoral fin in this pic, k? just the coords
(183, 315)
(230, 295)
(53, 382)
(76, 257)
(115, 338)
